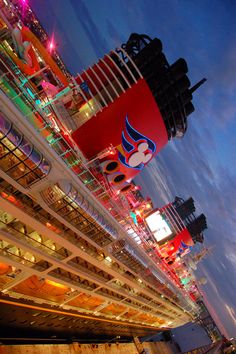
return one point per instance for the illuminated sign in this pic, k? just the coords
(158, 226)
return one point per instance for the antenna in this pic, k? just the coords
(200, 83)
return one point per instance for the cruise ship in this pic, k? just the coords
(82, 252)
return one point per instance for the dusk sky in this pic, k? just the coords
(203, 163)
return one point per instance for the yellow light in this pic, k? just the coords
(53, 283)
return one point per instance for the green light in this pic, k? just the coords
(134, 217)
(185, 281)
(30, 93)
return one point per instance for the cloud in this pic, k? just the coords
(231, 313)
(230, 254)
(218, 305)
(94, 36)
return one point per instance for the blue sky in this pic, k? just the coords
(203, 164)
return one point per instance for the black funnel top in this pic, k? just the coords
(169, 83)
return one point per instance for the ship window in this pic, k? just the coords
(36, 157)
(77, 221)
(59, 205)
(27, 179)
(8, 144)
(111, 166)
(8, 161)
(39, 172)
(19, 154)
(14, 137)
(44, 166)
(74, 194)
(18, 157)
(25, 147)
(119, 178)
(85, 205)
(18, 170)
(4, 126)
(72, 215)
(3, 150)
(30, 164)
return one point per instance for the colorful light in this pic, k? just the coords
(51, 45)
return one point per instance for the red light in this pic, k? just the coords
(51, 45)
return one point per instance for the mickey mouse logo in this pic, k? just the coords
(138, 149)
(141, 156)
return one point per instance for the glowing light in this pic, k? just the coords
(51, 45)
(133, 216)
(4, 268)
(53, 283)
(158, 226)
